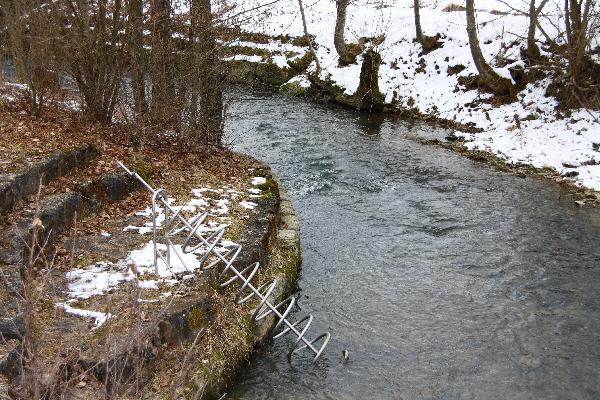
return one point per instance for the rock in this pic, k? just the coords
(286, 208)
(12, 328)
(107, 188)
(293, 88)
(59, 211)
(13, 187)
(290, 222)
(287, 237)
(257, 74)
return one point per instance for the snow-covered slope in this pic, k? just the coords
(527, 131)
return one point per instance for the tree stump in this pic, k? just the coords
(367, 96)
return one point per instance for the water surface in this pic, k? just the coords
(444, 278)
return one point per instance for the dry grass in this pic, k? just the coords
(62, 339)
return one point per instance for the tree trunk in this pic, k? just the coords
(533, 52)
(428, 43)
(368, 96)
(310, 46)
(577, 25)
(206, 108)
(346, 57)
(419, 31)
(136, 50)
(498, 84)
(163, 86)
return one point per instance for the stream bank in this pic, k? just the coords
(279, 79)
(532, 128)
(103, 315)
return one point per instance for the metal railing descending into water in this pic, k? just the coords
(174, 225)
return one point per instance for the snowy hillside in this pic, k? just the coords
(528, 131)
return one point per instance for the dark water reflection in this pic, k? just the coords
(444, 278)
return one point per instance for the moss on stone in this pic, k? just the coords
(250, 51)
(300, 41)
(292, 89)
(301, 64)
(87, 259)
(259, 74)
(285, 261)
(368, 96)
(268, 189)
(143, 169)
(4, 294)
(195, 318)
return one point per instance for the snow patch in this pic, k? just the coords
(248, 205)
(259, 180)
(99, 317)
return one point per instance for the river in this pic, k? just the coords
(442, 277)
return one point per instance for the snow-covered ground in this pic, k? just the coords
(528, 131)
(103, 277)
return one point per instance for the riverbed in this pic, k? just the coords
(442, 277)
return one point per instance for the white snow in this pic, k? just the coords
(181, 262)
(95, 280)
(103, 277)
(243, 57)
(540, 137)
(149, 284)
(99, 317)
(248, 204)
(259, 180)
(300, 80)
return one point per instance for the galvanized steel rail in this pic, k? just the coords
(175, 224)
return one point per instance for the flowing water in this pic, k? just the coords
(442, 277)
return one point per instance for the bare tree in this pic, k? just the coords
(428, 43)
(418, 29)
(206, 102)
(306, 34)
(162, 64)
(92, 48)
(579, 18)
(135, 28)
(346, 56)
(533, 52)
(498, 84)
(29, 37)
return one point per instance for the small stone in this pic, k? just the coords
(287, 236)
(81, 384)
(345, 355)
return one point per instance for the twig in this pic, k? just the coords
(249, 10)
(184, 364)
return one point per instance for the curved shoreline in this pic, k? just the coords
(281, 260)
(327, 94)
